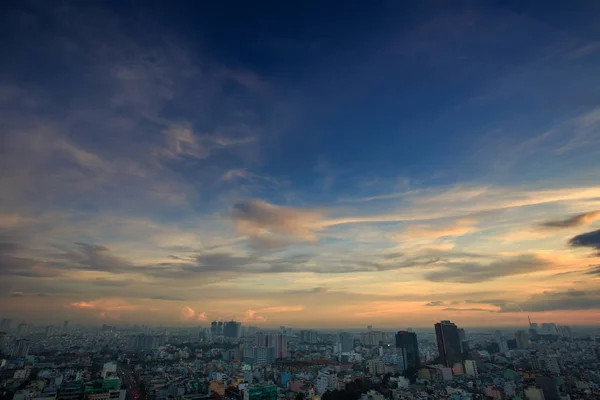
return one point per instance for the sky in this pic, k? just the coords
(318, 164)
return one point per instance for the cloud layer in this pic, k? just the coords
(149, 179)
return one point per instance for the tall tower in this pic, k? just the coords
(347, 341)
(49, 331)
(407, 345)
(448, 341)
(5, 324)
(22, 348)
(22, 329)
(280, 343)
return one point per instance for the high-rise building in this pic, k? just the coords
(5, 324)
(280, 344)
(220, 328)
(406, 343)
(462, 336)
(49, 331)
(108, 369)
(564, 331)
(548, 386)
(308, 336)
(371, 338)
(522, 339)
(65, 326)
(347, 341)
(21, 348)
(264, 340)
(232, 330)
(3, 340)
(471, 368)
(22, 329)
(448, 341)
(213, 328)
(259, 355)
(143, 342)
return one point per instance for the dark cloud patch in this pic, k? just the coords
(167, 298)
(475, 309)
(316, 289)
(93, 257)
(12, 264)
(576, 220)
(17, 294)
(474, 272)
(392, 256)
(594, 270)
(558, 301)
(589, 239)
(436, 303)
(112, 282)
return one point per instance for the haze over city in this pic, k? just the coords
(287, 164)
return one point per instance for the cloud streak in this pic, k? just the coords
(574, 221)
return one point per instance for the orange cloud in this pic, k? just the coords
(82, 304)
(251, 316)
(187, 312)
(268, 223)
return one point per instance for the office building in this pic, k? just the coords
(220, 328)
(371, 338)
(564, 331)
(5, 324)
(21, 348)
(308, 336)
(550, 363)
(522, 339)
(264, 340)
(259, 355)
(109, 368)
(22, 329)
(407, 345)
(49, 331)
(232, 330)
(448, 341)
(347, 341)
(213, 328)
(471, 368)
(143, 342)
(280, 345)
(548, 386)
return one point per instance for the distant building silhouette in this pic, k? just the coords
(448, 341)
(347, 341)
(407, 345)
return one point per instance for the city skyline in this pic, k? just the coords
(393, 165)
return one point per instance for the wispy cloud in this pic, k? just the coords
(576, 220)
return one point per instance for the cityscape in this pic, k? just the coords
(229, 360)
(299, 200)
